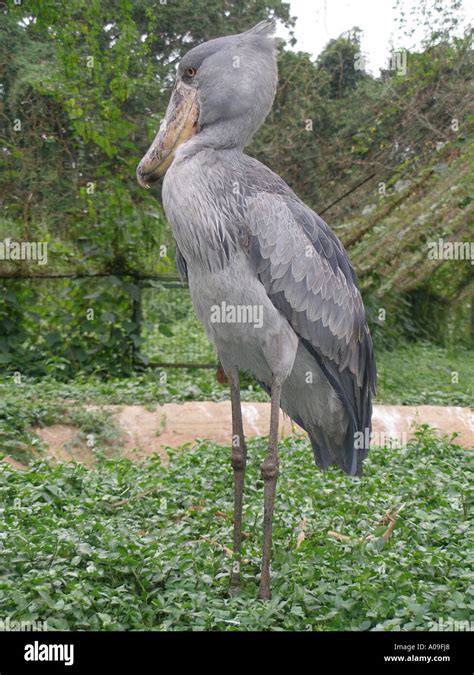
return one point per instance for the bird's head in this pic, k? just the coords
(224, 90)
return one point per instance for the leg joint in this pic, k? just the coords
(270, 469)
(238, 461)
(238, 458)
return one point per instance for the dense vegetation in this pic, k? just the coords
(83, 86)
(411, 375)
(137, 545)
(134, 545)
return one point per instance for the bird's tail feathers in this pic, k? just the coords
(345, 455)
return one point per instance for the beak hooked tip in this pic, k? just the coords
(141, 180)
(180, 125)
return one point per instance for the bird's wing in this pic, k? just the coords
(308, 277)
(181, 266)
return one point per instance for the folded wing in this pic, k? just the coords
(308, 277)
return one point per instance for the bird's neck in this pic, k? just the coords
(222, 135)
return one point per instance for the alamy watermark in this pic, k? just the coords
(451, 250)
(30, 251)
(363, 440)
(450, 624)
(38, 651)
(398, 61)
(227, 313)
(8, 625)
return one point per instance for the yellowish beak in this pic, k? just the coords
(180, 124)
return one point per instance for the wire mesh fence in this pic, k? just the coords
(172, 335)
(164, 333)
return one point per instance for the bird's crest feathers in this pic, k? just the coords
(266, 27)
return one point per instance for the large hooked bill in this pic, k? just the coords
(180, 124)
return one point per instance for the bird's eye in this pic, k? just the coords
(190, 72)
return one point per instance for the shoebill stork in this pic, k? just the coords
(269, 280)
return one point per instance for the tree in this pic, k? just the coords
(341, 60)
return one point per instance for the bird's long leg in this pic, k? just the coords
(270, 470)
(239, 462)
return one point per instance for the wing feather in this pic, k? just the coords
(307, 275)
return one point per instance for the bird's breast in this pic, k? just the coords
(203, 212)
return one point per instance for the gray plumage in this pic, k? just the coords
(245, 239)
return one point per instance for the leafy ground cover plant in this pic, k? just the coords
(134, 545)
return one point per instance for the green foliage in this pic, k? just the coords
(76, 554)
(421, 374)
(417, 374)
(73, 325)
(340, 59)
(89, 100)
